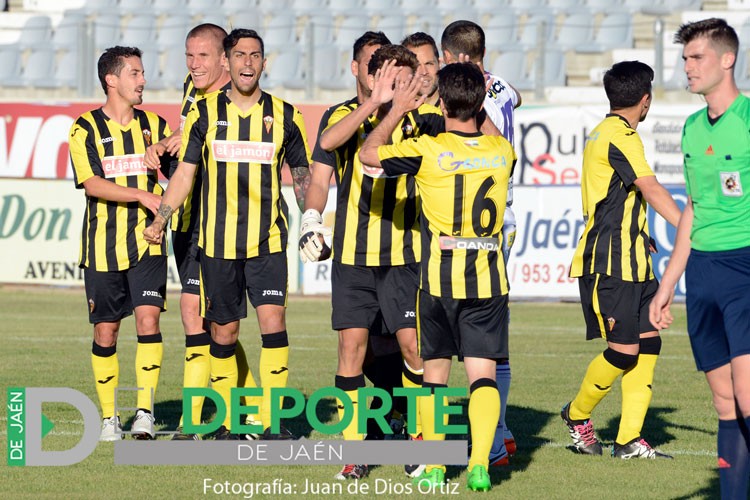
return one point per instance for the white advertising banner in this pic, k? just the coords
(550, 223)
(40, 230)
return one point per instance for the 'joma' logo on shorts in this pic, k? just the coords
(193, 281)
(151, 293)
(275, 293)
(410, 314)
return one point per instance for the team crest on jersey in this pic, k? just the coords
(92, 306)
(730, 184)
(147, 136)
(611, 322)
(268, 122)
(407, 130)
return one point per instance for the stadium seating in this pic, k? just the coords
(139, 31)
(36, 33)
(10, 65)
(511, 66)
(615, 30)
(172, 32)
(106, 31)
(65, 35)
(577, 29)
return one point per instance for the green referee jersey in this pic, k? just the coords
(463, 185)
(717, 177)
(615, 241)
(377, 219)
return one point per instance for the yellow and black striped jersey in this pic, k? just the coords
(615, 241)
(463, 185)
(112, 237)
(243, 213)
(185, 218)
(377, 219)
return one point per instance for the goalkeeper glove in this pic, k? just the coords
(312, 246)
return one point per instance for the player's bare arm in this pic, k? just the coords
(340, 132)
(98, 187)
(301, 183)
(177, 192)
(406, 98)
(659, 198)
(169, 145)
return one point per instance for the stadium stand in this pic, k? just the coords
(578, 40)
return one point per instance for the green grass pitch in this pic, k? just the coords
(46, 342)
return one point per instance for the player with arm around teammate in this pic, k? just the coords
(463, 290)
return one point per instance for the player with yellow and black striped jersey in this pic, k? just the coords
(462, 306)
(241, 137)
(122, 272)
(613, 264)
(205, 61)
(376, 239)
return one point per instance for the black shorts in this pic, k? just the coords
(475, 328)
(112, 295)
(614, 309)
(185, 246)
(364, 297)
(224, 282)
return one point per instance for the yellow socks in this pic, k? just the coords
(413, 378)
(223, 374)
(427, 413)
(350, 385)
(484, 413)
(148, 356)
(274, 369)
(106, 376)
(601, 374)
(636, 390)
(245, 379)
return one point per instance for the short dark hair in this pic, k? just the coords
(722, 36)
(402, 55)
(111, 62)
(461, 89)
(208, 29)
(464, 37)
(367, 39)
(420, 39)
(239, 33)
(626, 83)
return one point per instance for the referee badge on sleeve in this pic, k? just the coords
(731, 184)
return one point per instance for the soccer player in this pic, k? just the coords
(205, 60)
(376, 235)
(242, 136)
(462, 177)
(613, 265)
(465, 41)
(383, 364)
(123, 274)
(425, 48)
(713, 241)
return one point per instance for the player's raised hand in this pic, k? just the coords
(312, 246)
(406, 95)
(385, 80)
(152, 155)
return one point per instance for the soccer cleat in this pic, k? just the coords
(111, 429)
(181, 436)
(582, 433)
(478, 479)
(416, 469)
(143, 425)
(432, 479)
(637, 448)
(510, 445)
(224, 434)
(351, 471)
(496, 460)
(251, 436)
(284, 434)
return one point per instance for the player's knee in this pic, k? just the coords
(147, 324)
(725, 405)
(620, 360)
(650, 345)
(105, 335)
